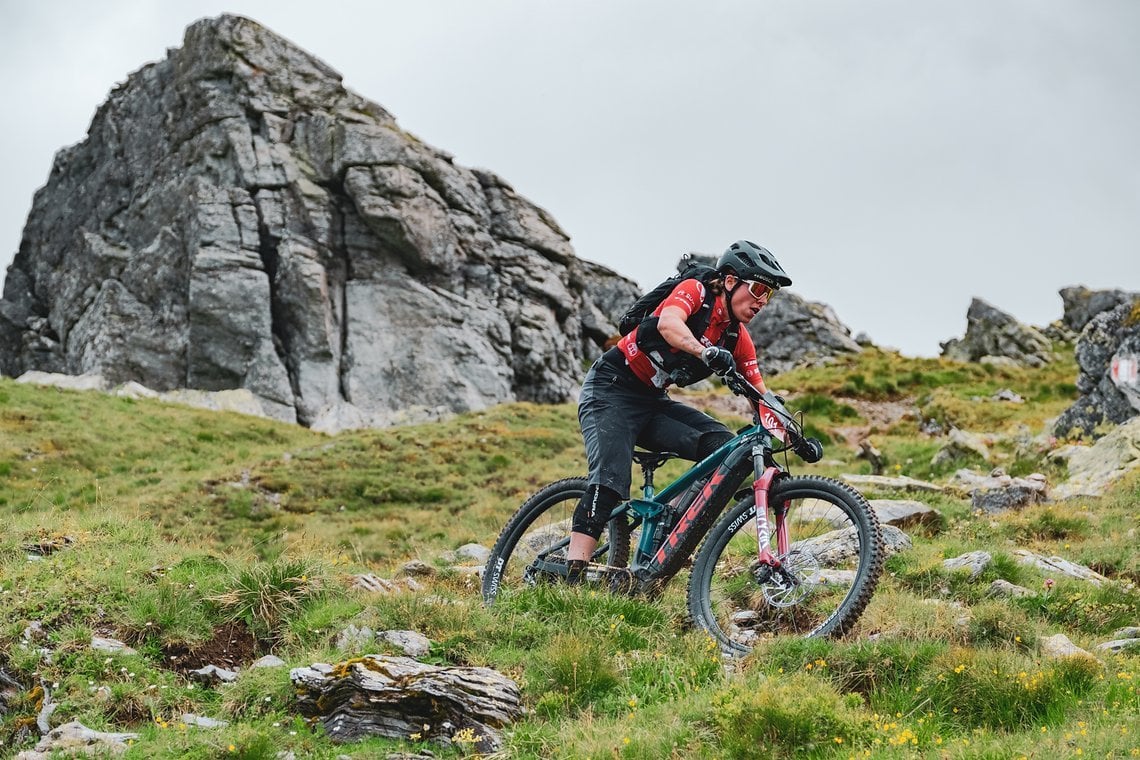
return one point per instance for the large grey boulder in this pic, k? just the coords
(237, 219)
(888, 483)
(1108, 358)
(993, 334)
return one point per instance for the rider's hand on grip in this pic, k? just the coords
(809, 449)
(718, 359)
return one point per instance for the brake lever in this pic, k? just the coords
(808, 449)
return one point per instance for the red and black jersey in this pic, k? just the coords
(689, 296)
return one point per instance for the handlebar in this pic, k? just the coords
(808, 449)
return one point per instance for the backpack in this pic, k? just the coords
(644, 307)
(641, 312)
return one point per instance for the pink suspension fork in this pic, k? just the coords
(760, 488)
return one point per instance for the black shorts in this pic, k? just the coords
(617, 410)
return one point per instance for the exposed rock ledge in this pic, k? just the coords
(237, 220)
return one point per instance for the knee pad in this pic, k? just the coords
(593, 511)
(710, 442)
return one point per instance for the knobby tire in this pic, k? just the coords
(521, 540)
(729, 597)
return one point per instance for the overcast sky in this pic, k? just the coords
(898, 156)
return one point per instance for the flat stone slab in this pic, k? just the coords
(201, 721)
(903, 513)
(891, 483)
(1003, 588)
(975, 562)
(397, 697)
(1060, 566)
(1120, 645)
(110, 645)
(1058, 646)
(75, 738)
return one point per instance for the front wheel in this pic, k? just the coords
(825, 579)
(539, 533)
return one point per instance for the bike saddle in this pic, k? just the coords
(653, 459)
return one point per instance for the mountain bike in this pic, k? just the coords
(792, 555)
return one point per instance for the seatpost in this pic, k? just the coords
(647, 489)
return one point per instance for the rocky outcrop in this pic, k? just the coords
(1082, 304)
(994, 336)
(793, 332)
(1108, 359)
(1094, 469)
(237, 219)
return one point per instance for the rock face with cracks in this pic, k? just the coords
(237, 219)
(1108, 355)
(992, 334)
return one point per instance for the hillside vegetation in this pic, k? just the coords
(200, 537)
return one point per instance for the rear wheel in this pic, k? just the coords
(826, 578)
(539, 532)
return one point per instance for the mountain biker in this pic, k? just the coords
(624, 402)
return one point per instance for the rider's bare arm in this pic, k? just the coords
(671, 325)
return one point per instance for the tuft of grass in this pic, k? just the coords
(996, 624)
(174, 613)
(1096, 610)
(1006, 691)
(800, 715)
(265, 595)
(575, 671)
(1047, 524)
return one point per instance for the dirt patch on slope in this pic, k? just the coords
(879, 417)
(232, 646)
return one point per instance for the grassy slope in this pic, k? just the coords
(182, 521)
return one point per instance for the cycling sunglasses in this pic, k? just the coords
(762, 292)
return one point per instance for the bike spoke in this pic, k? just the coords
(532, 548)
(749, 601)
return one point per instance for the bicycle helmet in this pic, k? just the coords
(749, 261)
